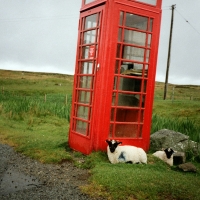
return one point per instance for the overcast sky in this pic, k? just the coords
(41, 36)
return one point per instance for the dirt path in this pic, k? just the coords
(24, 178)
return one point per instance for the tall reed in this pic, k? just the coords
(17, 105)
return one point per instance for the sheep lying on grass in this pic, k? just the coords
(166, 155)
(125, 154)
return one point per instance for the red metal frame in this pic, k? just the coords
(110, 115)
(84, 80)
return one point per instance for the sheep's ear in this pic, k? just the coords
(119, 143)
(108, 141)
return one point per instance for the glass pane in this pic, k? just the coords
(85, 82)
(136, 21)
(84, 97)
(142, 116)
(118, 51)
(111, 130)
(91, 21)
(117, 67)
(121, 18)
(133, 53)
(126, 66)
(143, 100)
(140, 131)
(112, 114)
(134, 37)
(126, 84)
(115, 83)
(147, 55)
(85, 52)
(89, 37)
(127, 115)
(151, 25)
(81, 127)
(89, 52)
(144, 86)
(120, 35)
(86, 68)
(114, 99)
(130, 100)
(130, 84)
(152, 2)
(83, 112)
(126, 130)
(149, 40)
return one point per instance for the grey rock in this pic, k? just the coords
(168, 138)
(188, 167)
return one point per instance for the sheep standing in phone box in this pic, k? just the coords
(125, 154)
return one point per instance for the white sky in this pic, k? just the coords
(41, 36)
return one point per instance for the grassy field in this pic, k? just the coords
(184, 103)
(34, 120)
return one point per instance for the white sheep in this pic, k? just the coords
(166, 155)
(125, 154)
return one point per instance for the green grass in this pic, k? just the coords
(156, 180)
(39, 130)
(53, 104)
(35, 84)
(184, 109)
(44, 138)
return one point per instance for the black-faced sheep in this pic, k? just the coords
(125, 154)
(166, 155)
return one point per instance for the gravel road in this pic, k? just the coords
(25, 178)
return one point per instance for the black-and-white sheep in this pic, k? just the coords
(125, 154)
(165, 155)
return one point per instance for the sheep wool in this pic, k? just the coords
(166, 156)
(125, 154)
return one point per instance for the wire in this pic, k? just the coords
(187, 21)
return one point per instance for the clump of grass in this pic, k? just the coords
(15, 107)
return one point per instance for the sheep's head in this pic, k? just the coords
(169, 152)
(113, 144)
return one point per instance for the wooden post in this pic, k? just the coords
(173, 95)
(66, 100)
(45, 98)
(169, 53)
(2, 90)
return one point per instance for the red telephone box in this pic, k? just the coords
(115, 73)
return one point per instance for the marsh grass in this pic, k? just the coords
(17, 106)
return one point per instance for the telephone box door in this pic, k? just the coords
(85, 78)
(134, 76)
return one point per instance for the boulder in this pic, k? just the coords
(188, 167)
(177, 141)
